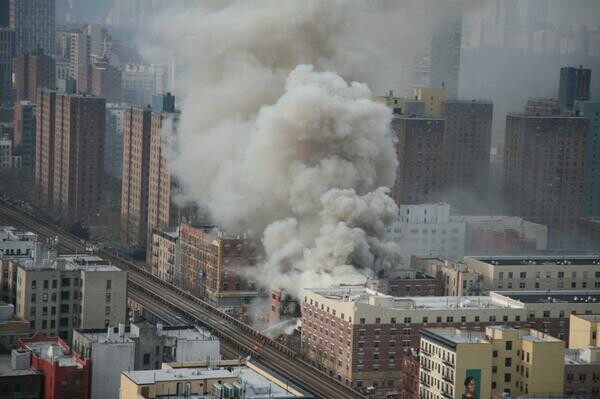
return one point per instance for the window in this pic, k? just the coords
(33, 284)
(146, 358)
(449, 319)
(65, 295)
(377, 320)
(54, 283)
(64, 308)
(508, 362)
(65, 282)
(523, 275)
(393, 320)
(508, 345)
(107, 310)
(561, 274)
(495, 354)
(407, 320)
(507, 377)
(362, 320)
(476, 319)
(108, 284)
(45, 284)
(107, 297)
(64, 321)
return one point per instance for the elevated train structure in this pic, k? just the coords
(166, 301)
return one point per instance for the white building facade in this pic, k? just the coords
(427, 230)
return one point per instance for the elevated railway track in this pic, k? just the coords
(168, 302)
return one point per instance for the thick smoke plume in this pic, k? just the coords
(272, 140)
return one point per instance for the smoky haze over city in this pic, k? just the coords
(394, 199)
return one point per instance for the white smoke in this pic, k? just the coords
(272, 141)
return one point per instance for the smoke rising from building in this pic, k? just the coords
(272, 140)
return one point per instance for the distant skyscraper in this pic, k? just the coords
(7, 49)
(106, 81)
(437, 61)
(72, 154)
(34, 23)
(163, 103)
(32, 72)
(113, 145)
(544, 165)
(467, 142)
(79, 54)
(420, 173)
(574, 85)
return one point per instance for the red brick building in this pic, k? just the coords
(70, 151)
(410, 374)
(210, 263)
(404, 283)
(282, 305)
(420, 150)
(507, 242)
(66, 374)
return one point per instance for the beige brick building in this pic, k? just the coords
(58, 294)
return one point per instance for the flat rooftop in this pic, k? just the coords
(595, 318)
(458, 336)
(53, 352)
(7, 370)
(582, 356)
(369, 296)
(191, 333)
(553, 296)
(257, 386)
(566, 260)
(85, 262)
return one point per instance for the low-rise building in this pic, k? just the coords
(60, 293)
(234, 379)
(282, 305)
(15, 243)
(500, 360)
(538, 273)
(11, 328)
(588, 233)
(549, 312)
(164, 254)
(66, 375)
(17, 378)
(502, 235)
(409, 379)
(427, 230)
(408, 282)
(139, 346)
(358, 334)
(583, 331)
(582, 373)
(211, 261)
(456, 278)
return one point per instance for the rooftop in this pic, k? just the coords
(539, 260)
(53, 352)
(9, 233)
(375, 298)
(257, 385)
(84, 262)
(180, 332)
(7, 370)
(455, 336)
(553, 296)
(589, 355)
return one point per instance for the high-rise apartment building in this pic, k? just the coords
(44, 147)
(25, 120)
(591, 202)
(135, 185)
(33, 71)
(574, 86)
(70, 147)
(544, 171)
(113, 145)
(456, 363)
(209, 259)
(146, 185)
(34, 24)
(467, 143)
(420, 149)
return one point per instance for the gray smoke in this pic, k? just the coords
(271, 140)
